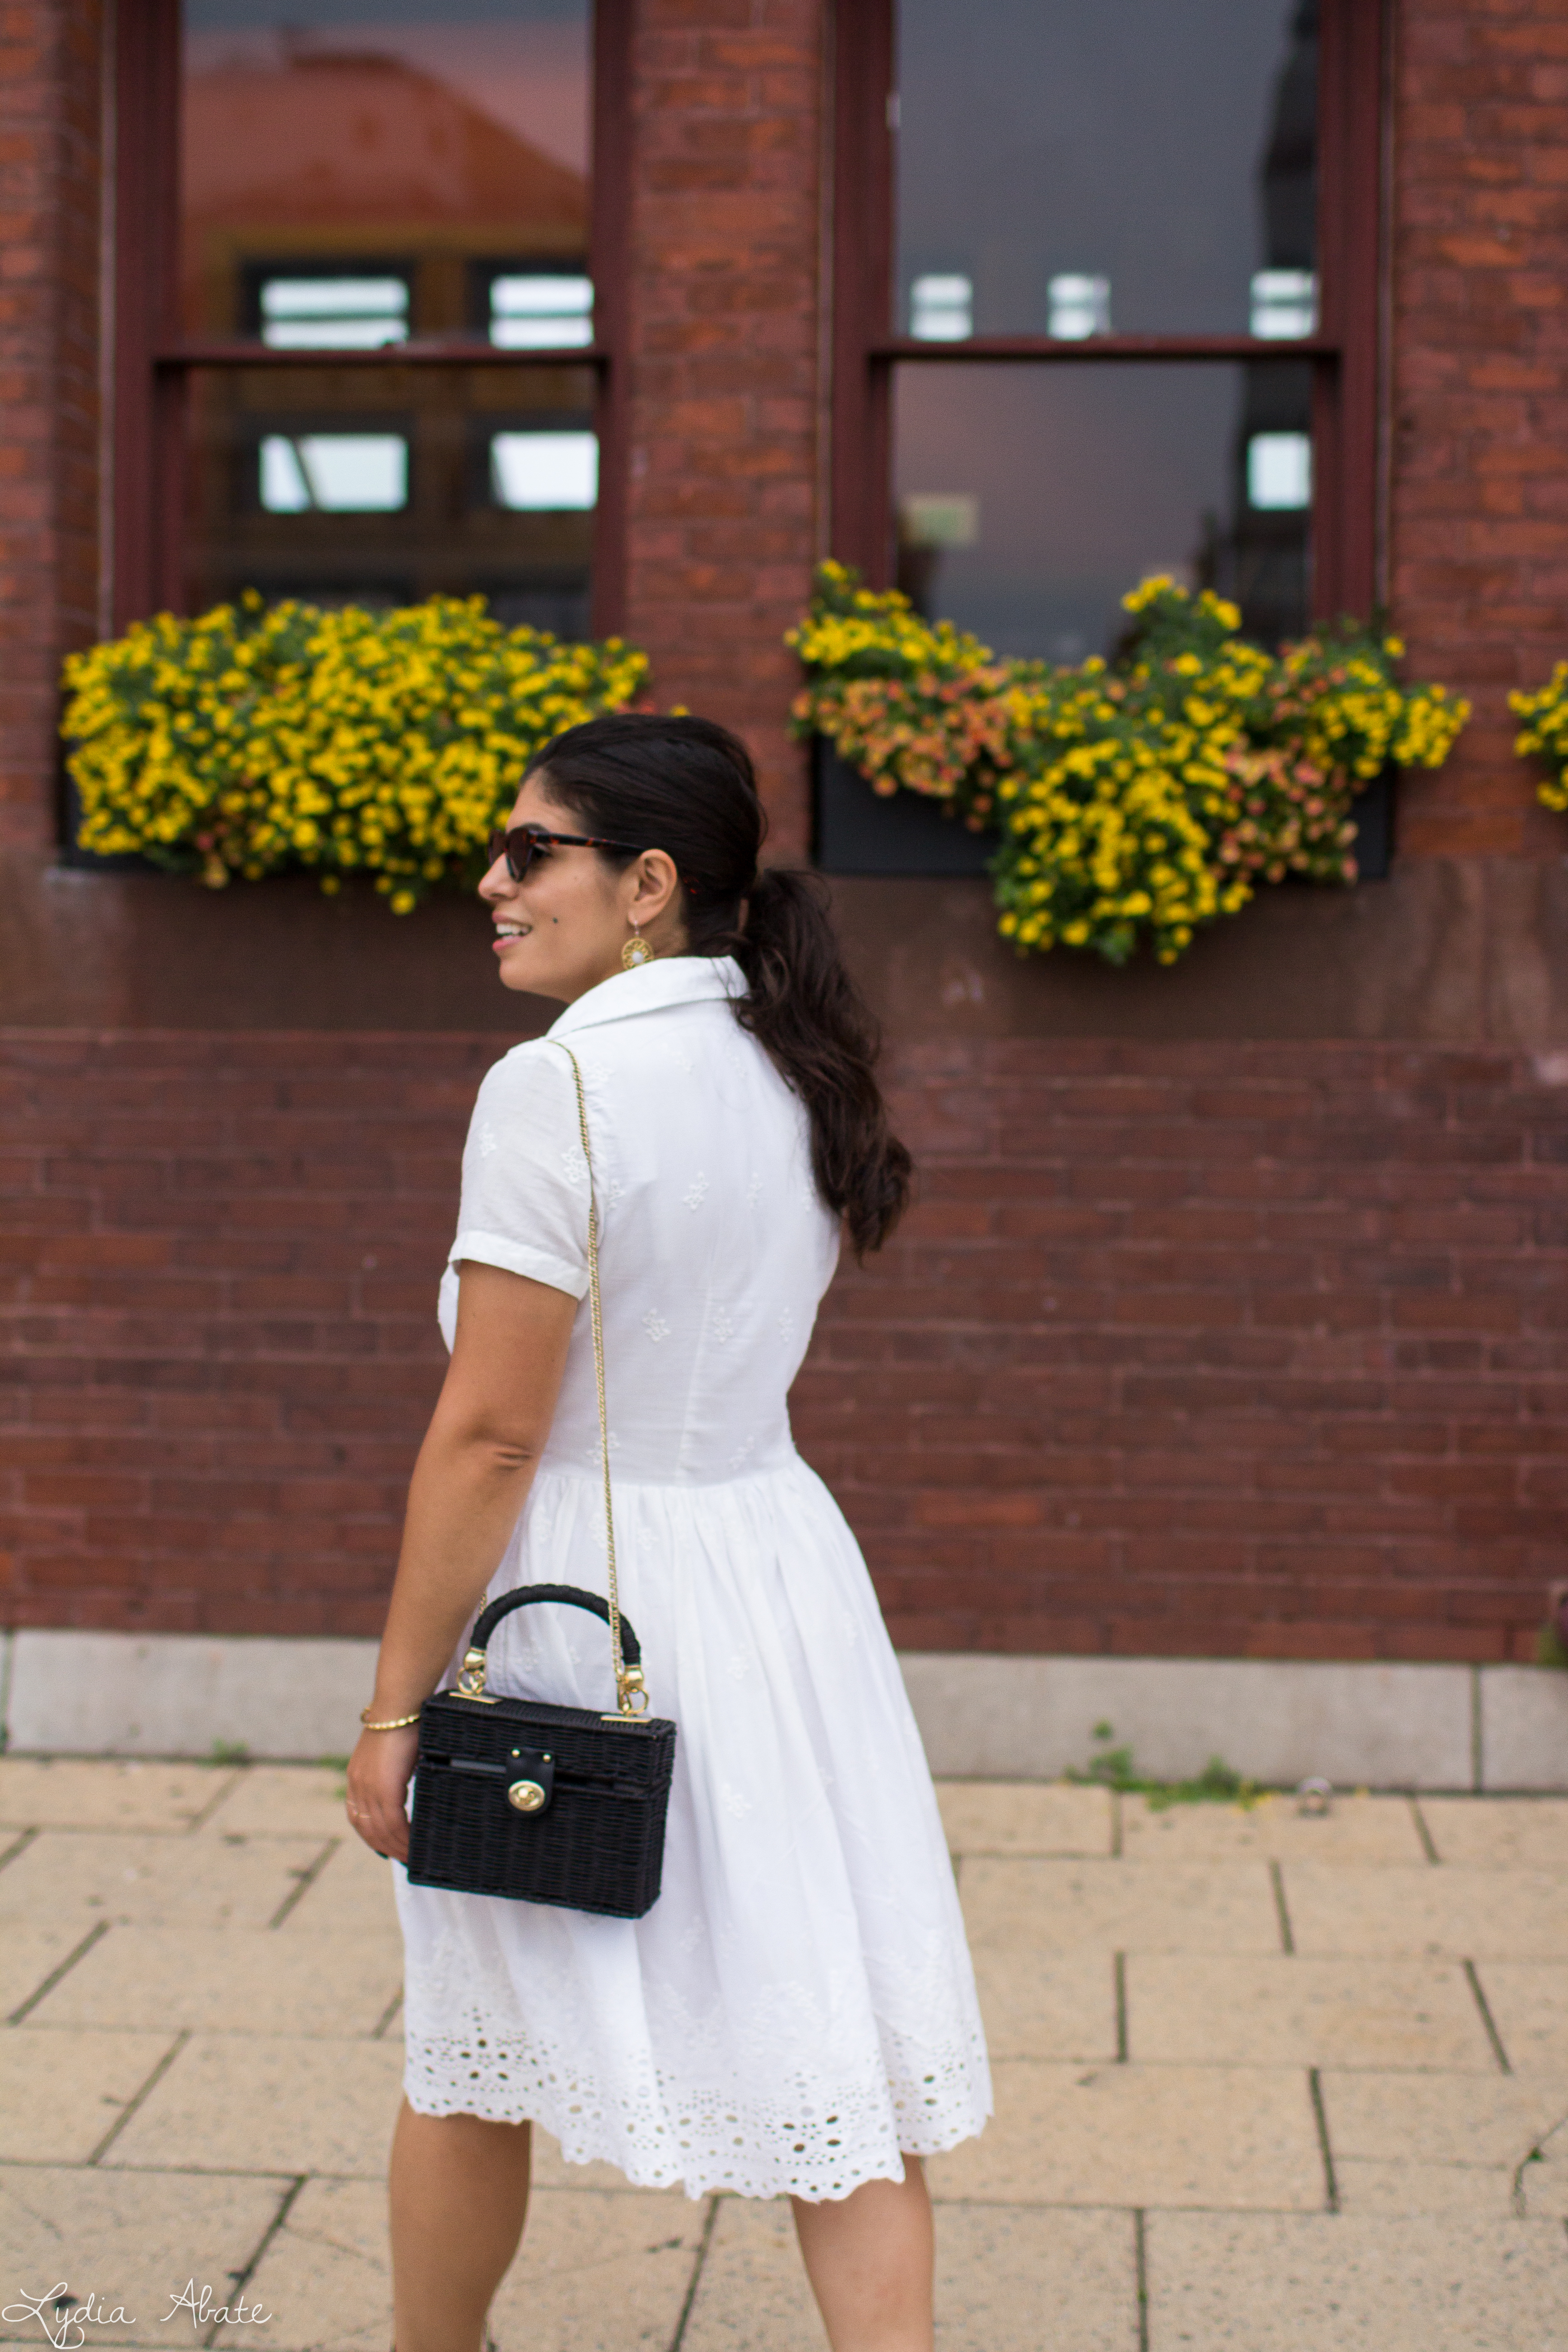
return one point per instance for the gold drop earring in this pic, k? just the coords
(636, 949)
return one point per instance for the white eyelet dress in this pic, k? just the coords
(798, 2006)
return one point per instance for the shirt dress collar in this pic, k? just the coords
(653, 988)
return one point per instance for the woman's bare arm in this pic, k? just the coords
(472, 1476)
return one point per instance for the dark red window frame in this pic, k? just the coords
(1346, 522)
(154, 358)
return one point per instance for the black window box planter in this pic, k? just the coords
(858, 831)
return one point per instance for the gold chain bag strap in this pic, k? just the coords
(527, 1799)
(629, 1684)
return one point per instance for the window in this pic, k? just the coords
(367, 322)
(1284, 304)
(334, 473)
(1106, 303)
(325, 311)
(533, 309)
(1280, 472)
(1077, 307)
(545, 473)
(1028, 500)
(941, 310)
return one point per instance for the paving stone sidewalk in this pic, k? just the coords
(1263, 2080)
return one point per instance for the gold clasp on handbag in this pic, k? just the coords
(630, 1686)
(632, 1689)
(471, 1681)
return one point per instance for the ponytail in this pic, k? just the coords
(802, 1007)
(687, 786)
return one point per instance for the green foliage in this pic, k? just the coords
(1549, 1649)
(1116, 1768)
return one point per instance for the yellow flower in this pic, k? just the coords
(259, 737)
(1547, 738)
(1129, 805)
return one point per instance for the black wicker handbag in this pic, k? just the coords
(541, 1803)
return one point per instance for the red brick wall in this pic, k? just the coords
(1218, 1347)
(1480, 411)
(219, 1349)
(1182, 1351)
(1214, 1349)
(48, 386)
(726, 236)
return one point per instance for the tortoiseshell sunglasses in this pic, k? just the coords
(522, 845)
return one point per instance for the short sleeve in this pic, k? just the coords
(525, 1178)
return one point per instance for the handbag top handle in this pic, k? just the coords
(629, 1685)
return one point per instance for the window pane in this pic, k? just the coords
(1030, 499)
(1278, 472)
(335, 473)
(941, 308)
(1133, 166)
(530, 311)
(545, 473)
(357, 173)
(395, 483)
(328, 311)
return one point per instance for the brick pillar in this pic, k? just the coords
(48, 386)
(723, 323)
(1479, 439)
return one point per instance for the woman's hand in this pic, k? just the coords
(379, 1772)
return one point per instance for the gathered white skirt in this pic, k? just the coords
(798, 2006)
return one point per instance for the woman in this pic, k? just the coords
(797, 2013)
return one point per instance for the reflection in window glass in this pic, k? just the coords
(354, 171)
(1029, 499)
(928, 521)
(941, 310)
(334, 313)
(1078, 307)
(1161, 151)
(1284, 304)
(335, 473)
(544, 473)
(531, 312)
(1279, 471)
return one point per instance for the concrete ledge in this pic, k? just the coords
(1277, 1721)
(1524, 1727)
(181, 1694)
(980, 1716)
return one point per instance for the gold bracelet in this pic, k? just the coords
(398, 1722)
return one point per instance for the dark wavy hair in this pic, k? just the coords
(687, 786)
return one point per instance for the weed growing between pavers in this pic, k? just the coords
(1115, 1768)
(1536, 2156)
